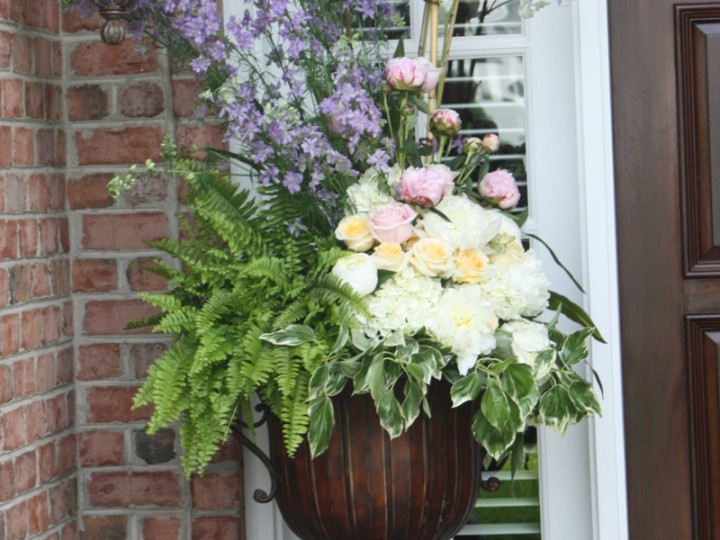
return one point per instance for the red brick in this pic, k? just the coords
(157, 528)
(5, 386)
(14, 429)
(190, 138)
(45, 372)
(43, 49)
(153, 189)
(65, 368)
(15, 193)
(49, 236)
(34, 417)
(60, 148)
(14, 92)
(25, 472)
(53, 102)
(216, 528)
(31, 326)
(40, 280)
(38, 193)
(89, 191)
(70, 531)
(38, 513)
(185, 97)
(16, 522)
(97, 58)
(6, 146)
(45, 148)
(7, 486)
(94, 275)
(35, 100)
(138, 489)
(99, 361)
(23, 147)
(28, 236)
(143, 355)
(50, 15)
(56, 413)
(46, 462)
(114, 404)
(107, 146)
(9, 334)
(4, 288)
(60, 503)
(52, 325)
(64, 225)
(214, 491)
(20, 283)
(8, 239)
(24, 378)
(109, 317)
(31, 13)
(67, 319)
(67, 455)
(105, 528)
(142, 100)
(141, 279)
(101, 448)
(56, 192)
(22, 54)
(87, 102)
(60, 271)
(6, 48)
(123, 231)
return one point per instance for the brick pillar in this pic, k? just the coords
(37, 399)
(119, 103)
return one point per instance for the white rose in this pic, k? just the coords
(528, 339)
(358, 271)
(355, 233)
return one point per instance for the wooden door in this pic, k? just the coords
(665, 64)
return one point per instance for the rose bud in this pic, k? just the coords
(445, 123)
(500, 186)
(392, 223)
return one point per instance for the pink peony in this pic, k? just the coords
(406, 73)
(426, 186)
(445, 122)
(433, 75)
(501, 187)
(392, 223)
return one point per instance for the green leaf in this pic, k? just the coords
(557, 260)
(573, 312)
(466, 389)
(543, 361)
(519, 217)
(400, 49)
(322, 421)
(388, 410)
(575, 348)
(439, 213)
(494, 404)
(519, 384)
(584, 398)
(383, 276)
(292, 336)
(495, 441)
(419, 103)
(376, 377)
(517, 455)
(410, 408)
(336, 380)
(318, 380)
(556, 409)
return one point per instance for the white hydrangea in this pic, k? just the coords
(364, 196)
(518, 290)
(470, 225)
(405, 303)
(465, 322)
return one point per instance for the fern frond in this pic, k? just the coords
(295, 416)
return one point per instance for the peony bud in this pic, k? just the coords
(500, 186)
(472, 145)
(491, 142)
(445, 123)
(406, 74)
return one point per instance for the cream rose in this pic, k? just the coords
(355, 233)
(509, 251)
(471, 266)
(388, 256)
(432, 257)
(528, 339)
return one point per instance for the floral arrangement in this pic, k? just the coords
(362, 256)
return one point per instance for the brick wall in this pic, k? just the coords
(38, 468)
(73, 112)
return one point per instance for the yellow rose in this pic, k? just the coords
(432, 257)
(471, 266)
(354, 231)
(388, 256)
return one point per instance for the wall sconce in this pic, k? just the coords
(115, 14)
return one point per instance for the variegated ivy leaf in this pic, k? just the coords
(466, 389)
(556, 409)
(494, 404)
(292, 336)
(410, 408)
(388, 410)
(519, 384)
(375, 379)
(584, 398)
(322, 421)
(575, 348)
(496, 441)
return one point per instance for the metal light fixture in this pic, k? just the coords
(115, 14)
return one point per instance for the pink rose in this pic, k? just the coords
(501, 187)
(405, 73)
(445, 122)
(426, 186)
(392, 223)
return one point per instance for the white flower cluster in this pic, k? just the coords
(528, 7)
(460, 270)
